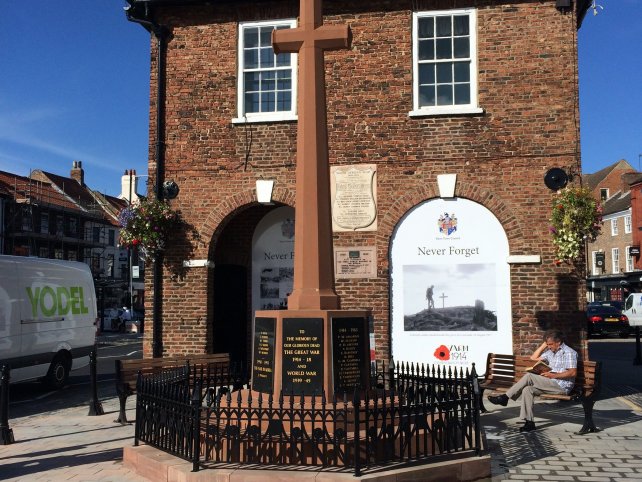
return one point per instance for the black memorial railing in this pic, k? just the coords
(412, 413)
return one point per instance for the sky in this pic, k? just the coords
(74, 85)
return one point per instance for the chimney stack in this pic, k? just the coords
(77, 173)
(129, 186)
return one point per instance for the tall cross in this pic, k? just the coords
(313, 286)
(443, 299)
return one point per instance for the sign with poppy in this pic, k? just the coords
(450, 285)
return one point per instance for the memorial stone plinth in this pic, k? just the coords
(310, 352)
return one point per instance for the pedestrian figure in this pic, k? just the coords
(431, 302)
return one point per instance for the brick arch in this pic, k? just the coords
(215, 221)
(494, 203)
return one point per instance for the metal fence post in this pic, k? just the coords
(196, 436)
(476, 403)
(356, 405)
(6, 434)
(140, 395)
(95, 407)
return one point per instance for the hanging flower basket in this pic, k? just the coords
(147, 224)
(576, 218)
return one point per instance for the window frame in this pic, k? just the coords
(615, 260)
(614, 229)
(604, 194)
(278, 116)
(473, 106)
(595, 269)
(628, 225)
(630, 263)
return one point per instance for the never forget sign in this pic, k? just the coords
(450, 284)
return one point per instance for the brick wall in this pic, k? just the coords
(527, 88)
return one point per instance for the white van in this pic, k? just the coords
(633, 309)
(47, 318)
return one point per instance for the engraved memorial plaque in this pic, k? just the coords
(263, 359)
(302, 356)
(355, 262)
(354, 205)
(348, 353)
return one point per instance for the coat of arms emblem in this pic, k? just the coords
(447, 224)
(287, 228)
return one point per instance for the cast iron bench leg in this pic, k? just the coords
(122, 416)
(482, 409)
(589, 426)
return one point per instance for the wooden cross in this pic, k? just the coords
(443, 300)
(313, 287)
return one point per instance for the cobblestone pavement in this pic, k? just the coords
(69, 445)
(555, 452)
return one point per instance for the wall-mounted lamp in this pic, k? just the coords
(556, 178)
(264, 189)
(170, 189)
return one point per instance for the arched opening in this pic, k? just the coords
(250, 273)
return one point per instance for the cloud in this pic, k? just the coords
(18, 127)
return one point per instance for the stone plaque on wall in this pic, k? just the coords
(263, 359)
(354, 197)
(355, 262)
(303, 354)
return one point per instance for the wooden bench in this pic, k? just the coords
(127, 372)
(502, 371)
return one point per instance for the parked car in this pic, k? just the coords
(606, 320)
(616, 304)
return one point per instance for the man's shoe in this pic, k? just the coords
(499, 399)
(529, 426)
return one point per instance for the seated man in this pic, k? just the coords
(560, 380)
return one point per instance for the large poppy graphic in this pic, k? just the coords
(442, 353)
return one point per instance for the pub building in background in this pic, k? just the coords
(613, 269)
(436, 171)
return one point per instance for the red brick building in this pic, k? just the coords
(479, 93)
(612, 271)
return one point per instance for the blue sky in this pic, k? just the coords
(74, 85)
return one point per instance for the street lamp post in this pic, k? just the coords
(129, 253)
(132, 177)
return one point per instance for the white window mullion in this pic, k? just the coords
(629, 259)
(269, 96)
(434, 91)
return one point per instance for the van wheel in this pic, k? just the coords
(58, 373)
